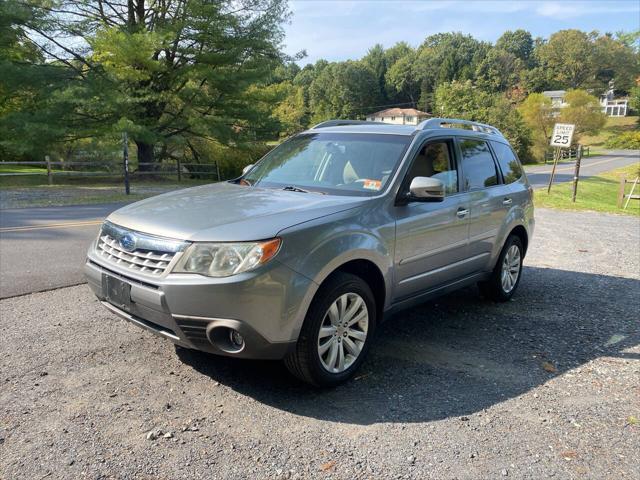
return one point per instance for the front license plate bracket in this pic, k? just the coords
(116, 291)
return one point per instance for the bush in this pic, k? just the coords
(229, 159)
(626, 140)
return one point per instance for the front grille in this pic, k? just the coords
(149, 262)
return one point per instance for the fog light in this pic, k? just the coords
(236, 339)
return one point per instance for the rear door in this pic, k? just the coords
(488, 197)
(431, 237)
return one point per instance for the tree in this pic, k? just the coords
(570, 56)
(166, 72)
(343, 90)
(464, 100)
(445, 57)
(614, 60)
(401, 80)
(518, 43)
(499, 71)
(376, 61)
(584, 111)
(634, 99)
(630, 39)
(538, 115)
(28, 87)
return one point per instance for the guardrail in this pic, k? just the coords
(110, 168)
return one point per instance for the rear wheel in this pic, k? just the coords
(506, 274)
(336, 332)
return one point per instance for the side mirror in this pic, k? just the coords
(246, 169)
(426, 189)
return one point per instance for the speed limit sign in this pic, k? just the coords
(562, 135)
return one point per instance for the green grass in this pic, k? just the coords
(594, 193)
(89, 181)
(22, 169)
(614, 126)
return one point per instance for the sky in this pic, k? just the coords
(341, 30)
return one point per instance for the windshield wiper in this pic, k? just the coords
(291, 188)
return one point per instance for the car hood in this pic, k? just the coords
(227, 212)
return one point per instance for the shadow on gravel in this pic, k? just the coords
(459, 354)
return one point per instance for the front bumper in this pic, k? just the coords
(266, 306)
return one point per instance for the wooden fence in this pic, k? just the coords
(110, 168)
(622, 195)
(567, 153)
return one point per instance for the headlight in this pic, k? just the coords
(225, 259)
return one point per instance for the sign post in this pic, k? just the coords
(576, 175)
(561, 138)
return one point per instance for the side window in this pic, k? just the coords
(477, 164)
(436, 160)
(509, 164)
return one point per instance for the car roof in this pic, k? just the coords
(378, 128)
(451, 126)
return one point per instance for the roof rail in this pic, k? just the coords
(475, 126)
(339, 123)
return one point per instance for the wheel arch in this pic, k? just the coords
(371, 274)
(521, 233)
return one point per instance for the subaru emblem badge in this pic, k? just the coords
(128, 242)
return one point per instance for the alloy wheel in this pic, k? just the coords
(510, 268)
(343, 332)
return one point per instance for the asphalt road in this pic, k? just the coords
(538, 175)
(45, 248)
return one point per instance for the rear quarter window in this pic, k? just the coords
(509, 164)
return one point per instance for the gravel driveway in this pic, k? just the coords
(547, 385)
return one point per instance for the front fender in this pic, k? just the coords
(318, 248)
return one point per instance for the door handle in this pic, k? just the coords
(507, 201)
(462, 212)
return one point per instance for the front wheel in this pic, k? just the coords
(506, 275)
(336, 333)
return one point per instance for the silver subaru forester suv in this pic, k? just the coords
(335, 229)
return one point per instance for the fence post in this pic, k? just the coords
(217, 170)
(49, 172)
(179, 169)
(623, 181)
(125, 154)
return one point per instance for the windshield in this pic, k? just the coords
(334, 163)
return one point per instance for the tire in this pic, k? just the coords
(326, 312)
(494, 288)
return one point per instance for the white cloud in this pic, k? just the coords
(578, 9)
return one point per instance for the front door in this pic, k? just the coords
(432, 237)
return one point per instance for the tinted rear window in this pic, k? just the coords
(477, 164)
(509, 164)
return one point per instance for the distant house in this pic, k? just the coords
(557, 98)
(611, 106)
(398, 116)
